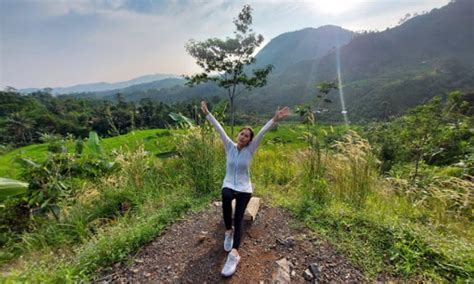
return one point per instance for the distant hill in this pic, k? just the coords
(305, 44)
(383, 73)
(134, 90)
(103, 86)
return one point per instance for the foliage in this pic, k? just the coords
(228, 59)
(48, 180)
(352, 169)
(313, 165)
(203, 159)
(27, 119)
(435, 133)
(9, 187)
(110, 219)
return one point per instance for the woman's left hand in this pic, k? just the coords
(281, 113)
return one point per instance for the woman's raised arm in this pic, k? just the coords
(279, 115)
(216, 124)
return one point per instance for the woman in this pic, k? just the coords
(237, 181)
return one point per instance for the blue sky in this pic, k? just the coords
(56, 43)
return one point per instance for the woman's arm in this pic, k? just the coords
(279, 115)
(216, 124)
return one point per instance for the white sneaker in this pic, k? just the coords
(230, 265)
(228, 241)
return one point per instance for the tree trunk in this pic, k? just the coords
(232, 121)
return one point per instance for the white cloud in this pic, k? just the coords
(59, 43)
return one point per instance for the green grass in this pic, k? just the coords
(384, 234)
(155, 141)
(94, 231)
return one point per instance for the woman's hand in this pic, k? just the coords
(204, 108)
(281, 113)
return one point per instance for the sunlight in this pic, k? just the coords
(339, 85)
(334, 7)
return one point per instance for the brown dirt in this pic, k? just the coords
(191, 251)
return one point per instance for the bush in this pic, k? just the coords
(203, 159)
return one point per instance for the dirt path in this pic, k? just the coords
(191, 251)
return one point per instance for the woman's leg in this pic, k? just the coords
(227, 196)
(242, 199)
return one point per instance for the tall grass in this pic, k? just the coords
(380, 229)
(203, 158)
(114, 216)
(352, 169)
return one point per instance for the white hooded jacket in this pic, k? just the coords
(237, 176)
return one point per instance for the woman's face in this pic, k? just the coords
(244, 137)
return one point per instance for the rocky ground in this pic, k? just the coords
(191, 251)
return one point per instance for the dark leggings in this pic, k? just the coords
(241, 201)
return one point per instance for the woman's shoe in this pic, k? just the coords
(230, 265)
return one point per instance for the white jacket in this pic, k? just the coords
(237, 176)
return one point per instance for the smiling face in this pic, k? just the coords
(244, 137)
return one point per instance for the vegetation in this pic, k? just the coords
(24, 119)
(228, 58)
(394, 196)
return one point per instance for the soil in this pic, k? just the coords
(191, 251)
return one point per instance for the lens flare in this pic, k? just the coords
(339, 85)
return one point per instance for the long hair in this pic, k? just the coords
(251, 132)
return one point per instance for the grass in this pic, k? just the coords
(154, 140)
(384, 233)
(108, 220)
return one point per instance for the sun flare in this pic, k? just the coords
(334, 7)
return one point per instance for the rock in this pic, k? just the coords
(282, 272)
(203, 238)
(288, 242)
(315, 270)
(307, 275)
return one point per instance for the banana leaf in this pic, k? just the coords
(10, 187)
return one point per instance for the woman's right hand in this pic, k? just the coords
(204, 108)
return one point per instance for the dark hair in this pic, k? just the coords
(249, 129)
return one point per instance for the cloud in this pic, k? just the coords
(58, 43)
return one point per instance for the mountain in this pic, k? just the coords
(305, 44)
(384, 73)
(103, 86)
(133, 90)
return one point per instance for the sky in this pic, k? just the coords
(59, 43)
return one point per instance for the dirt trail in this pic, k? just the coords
(191, 251)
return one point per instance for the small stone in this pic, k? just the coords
(315, 269)
(307, 275)
(135, 270)
(282, 272)
(293, 273)
(147, 274)
(138, 260)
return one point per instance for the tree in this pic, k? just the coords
(228, 58)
